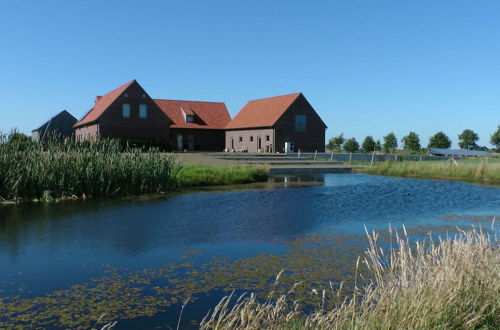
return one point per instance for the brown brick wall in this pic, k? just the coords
(87, 133)
(246, 144)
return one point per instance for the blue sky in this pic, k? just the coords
(368, 67)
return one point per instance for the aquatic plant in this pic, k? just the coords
(449, 283)
(64, 169)
(479, 171)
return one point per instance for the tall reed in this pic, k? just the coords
(58, 169)
(451, 283)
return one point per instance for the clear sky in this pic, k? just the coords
(367, 67)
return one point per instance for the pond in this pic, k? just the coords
(137, 260)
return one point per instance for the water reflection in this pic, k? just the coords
(56, 244)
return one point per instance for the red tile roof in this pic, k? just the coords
(262, 112)
(102, 103)
(208, 115)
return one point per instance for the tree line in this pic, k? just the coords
(410, 143)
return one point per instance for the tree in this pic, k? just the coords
(495, 138)
(411, 142)
(390, 142)
(378, 145)
(368, 144)
(439, 140)
(468, 139)
(336, 142)
(351, 145)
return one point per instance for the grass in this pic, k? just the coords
(473, 171)
(451, 283)
(57, 170)
(204, 175)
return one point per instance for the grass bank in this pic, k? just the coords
(480, 172)
(204, 175)
(452, 283)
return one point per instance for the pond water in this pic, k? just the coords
(59, 260)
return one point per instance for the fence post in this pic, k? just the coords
(396, 158)
(298, 154)
(331, 157)
(315, 154)
(373, 156)
(350, 158)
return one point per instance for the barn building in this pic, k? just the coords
(284, 123)
(60, 126)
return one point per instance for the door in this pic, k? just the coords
(180, 142)
(259, 144)
(190, 142)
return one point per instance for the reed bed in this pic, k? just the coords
(203, 175)
(451, 283)
(64, 169)
(480, 172)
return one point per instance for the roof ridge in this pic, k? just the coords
(275, 97)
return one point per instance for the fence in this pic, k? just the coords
(364, 157)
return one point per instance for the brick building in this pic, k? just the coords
(195, 125)
(277, 124)
(129, 113)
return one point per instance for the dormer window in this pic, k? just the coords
(189, 119)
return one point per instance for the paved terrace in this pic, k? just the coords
(276, 163)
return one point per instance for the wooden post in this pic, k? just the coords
(331, 157)
(373, 156)
(420, 158)
(350, 158)
(315, 154)
(298, 154)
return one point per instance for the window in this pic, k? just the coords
(267, 137)
(240, 139)
(125, 95)
(251, 138)
(143, 96)
(300, 123)
(126, 110)
(189, 119)
(143, 111)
